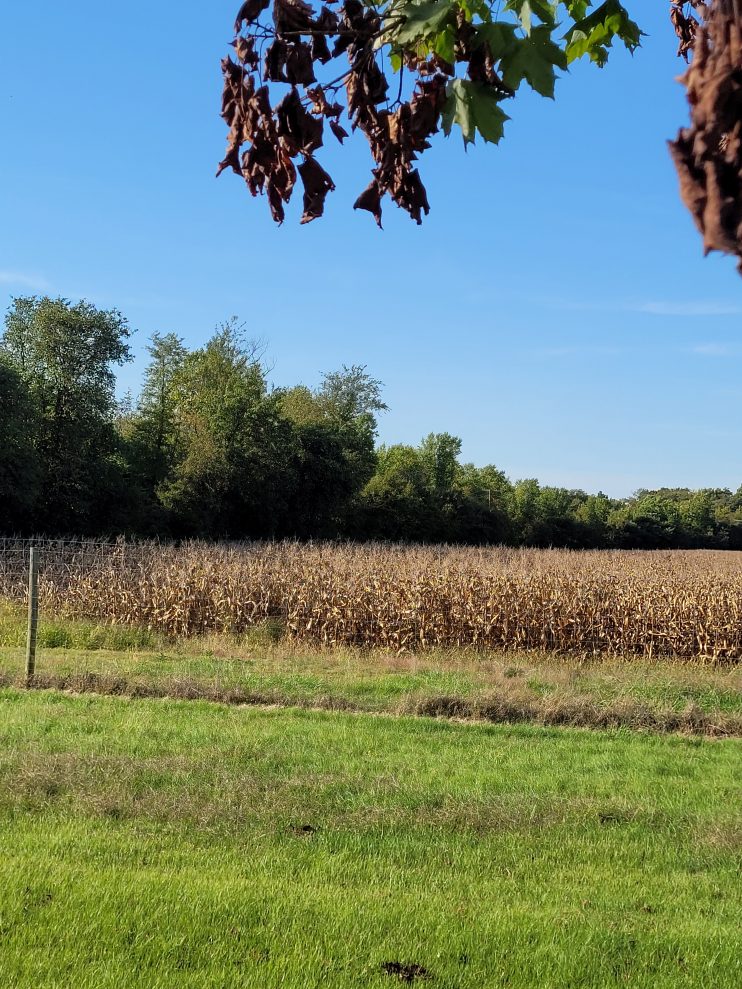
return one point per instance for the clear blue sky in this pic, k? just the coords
(554, 310)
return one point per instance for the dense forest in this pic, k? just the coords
(208, 449)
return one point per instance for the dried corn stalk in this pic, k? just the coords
(619, 603)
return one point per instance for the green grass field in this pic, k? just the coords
(160, 843)
(310, 832)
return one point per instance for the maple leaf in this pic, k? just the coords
(474, 107)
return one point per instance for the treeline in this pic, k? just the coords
(209, 449)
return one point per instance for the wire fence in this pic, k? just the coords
(60, 560)
(94, 631)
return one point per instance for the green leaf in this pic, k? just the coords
(593, 35)
(423, 19)
(533, 58)
(478, 7)
(501, 37)
(444, 44)
(526, 9)
(473, 107)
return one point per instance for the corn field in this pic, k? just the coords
(686, 604)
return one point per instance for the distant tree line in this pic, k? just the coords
(208, 449)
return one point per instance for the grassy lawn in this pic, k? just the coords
(160, 843)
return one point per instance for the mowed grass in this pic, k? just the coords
(159, 843)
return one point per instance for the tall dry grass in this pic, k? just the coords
(686, 604)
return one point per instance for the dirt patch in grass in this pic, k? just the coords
(405, 971)
(507, 706)
(581, 712)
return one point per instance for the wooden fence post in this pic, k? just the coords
(33, 614)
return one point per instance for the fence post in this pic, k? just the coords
(33, 614)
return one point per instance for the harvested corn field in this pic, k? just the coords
(686, 604)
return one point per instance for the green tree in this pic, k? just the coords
(558, 522)
(439, 454)
(648, 521)
(157, 403)
(351, 395)
(593, 514)
(325, 483)
(336, 428)
(698, 515)
(397, 503)
(232, 467)
(485, 511)
(20, 471)
(149, 434)
(300, 405)
(526, 497)
(351, 401)
(65, 355)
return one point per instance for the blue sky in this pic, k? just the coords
(554, 310)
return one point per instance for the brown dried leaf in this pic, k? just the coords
(297, 128)
(320, 49)
(249, 12)
(338, 130)
(324, 26)
(290, 16)
(245, 50)
(708, 154)
(238, 91)
(299, 68)
(370, 199)
(317, 183)
(320, 105)
(257, 163)
(409, 193)
(327, 21)
(275, 202)
(274, 63)
(275, 136)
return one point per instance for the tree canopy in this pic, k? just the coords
(63, 356)
(208, 448)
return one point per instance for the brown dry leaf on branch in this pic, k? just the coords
(249, 12)
(338, 130)
(298, 130)
(288, 42)
(317, 183)
(291, 16)
(370, 199)
(708, 154)
(685, 24)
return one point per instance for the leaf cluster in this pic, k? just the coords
(457, 62)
